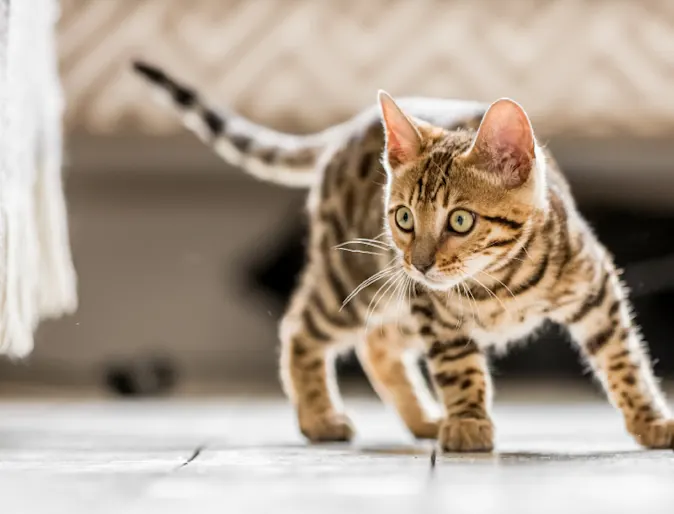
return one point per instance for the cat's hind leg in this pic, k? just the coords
(388, 357)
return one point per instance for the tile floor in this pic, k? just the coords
(243, 455)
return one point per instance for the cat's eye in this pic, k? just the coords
(461, 221)
(404, 219)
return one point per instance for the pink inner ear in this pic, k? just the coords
(505, 143)
(403, 141)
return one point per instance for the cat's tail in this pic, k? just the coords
(269, 155)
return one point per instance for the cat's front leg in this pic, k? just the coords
(459, 371)
(602, 327)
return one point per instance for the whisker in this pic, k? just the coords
(376, 244)
(374, 297)
(391, 281)
(353, 250)
(492, 293)
(524, 247)
(473, 305)
(450, 294)
(365, 283)
(497, 280)
(394, 293)
(373, 240)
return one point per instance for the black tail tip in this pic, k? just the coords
(152, 73)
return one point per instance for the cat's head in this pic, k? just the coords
(459, 203)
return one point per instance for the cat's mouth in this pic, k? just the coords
(433, 279)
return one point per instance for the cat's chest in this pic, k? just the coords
(496, 323)
(500, 334)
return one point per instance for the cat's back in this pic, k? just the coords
(442, 112)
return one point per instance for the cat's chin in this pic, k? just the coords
(434, 283)
(440, 285)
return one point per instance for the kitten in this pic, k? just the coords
(448, 230)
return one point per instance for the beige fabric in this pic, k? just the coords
(581, 67)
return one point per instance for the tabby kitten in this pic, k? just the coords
(460, 238)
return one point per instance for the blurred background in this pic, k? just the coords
(183, 259)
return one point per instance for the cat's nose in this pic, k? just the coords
(423, 254)
(423, 265)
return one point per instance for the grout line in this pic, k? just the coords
(197, 451)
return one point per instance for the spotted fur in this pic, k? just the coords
(529, 257)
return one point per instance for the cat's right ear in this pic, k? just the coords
(403, 141)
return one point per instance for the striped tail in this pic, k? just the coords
(271, 156)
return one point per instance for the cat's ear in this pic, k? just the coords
(403, 140)
(505, 143)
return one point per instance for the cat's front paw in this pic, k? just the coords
(658, 434)
(326, 427)
(466, 435)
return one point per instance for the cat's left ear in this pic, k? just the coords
(403, 140)
(505, 143)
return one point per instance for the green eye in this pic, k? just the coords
(404, 219)
(461, 221)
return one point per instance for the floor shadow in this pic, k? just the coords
(512, 457)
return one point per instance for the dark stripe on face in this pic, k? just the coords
(500, 242)
(506, 222)
(420, 190)
(445, 200)
(615, 306)
(312, 328)
(595, 343)
(439, 184)
(214, 122)
(591, 302)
